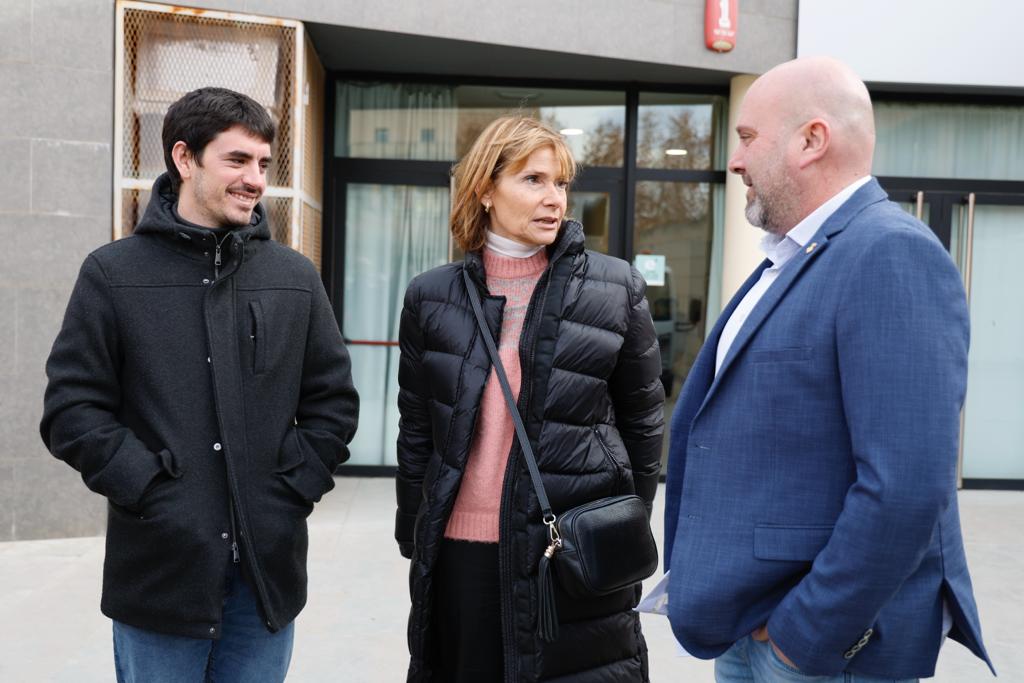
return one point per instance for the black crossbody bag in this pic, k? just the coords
(596, 548)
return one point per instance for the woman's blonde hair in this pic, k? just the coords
(504, 145)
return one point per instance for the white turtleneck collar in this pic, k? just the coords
(509, 247)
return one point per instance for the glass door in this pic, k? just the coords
(393, 233)
(989, 248)
(594, 211)
(595, 200)
(672, 238)
(394, 144)
(984, 233)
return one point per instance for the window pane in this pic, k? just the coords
(440, 122)
(395, 121)
(592, 121)
(927, 140)
(675, 220)
(593, 209)
(680, 131)
(993, 431)
(393, 233)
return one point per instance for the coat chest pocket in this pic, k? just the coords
(257, 334)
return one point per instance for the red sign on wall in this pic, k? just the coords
(720, 19)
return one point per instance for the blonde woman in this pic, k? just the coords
(576, 340)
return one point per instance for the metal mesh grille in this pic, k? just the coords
(171, 51)
(168, 52)
(311, 234)
(168, 55)
(133, 205)
(279, 215)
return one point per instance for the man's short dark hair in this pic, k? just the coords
(203, 114)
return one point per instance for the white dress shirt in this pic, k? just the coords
(780, 251)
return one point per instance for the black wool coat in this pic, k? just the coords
(210, 404)
(592, 402)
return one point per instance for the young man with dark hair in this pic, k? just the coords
(200, 383)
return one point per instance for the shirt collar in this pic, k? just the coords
(779, 251)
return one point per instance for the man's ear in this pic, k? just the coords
(183, 159)
(815, 137)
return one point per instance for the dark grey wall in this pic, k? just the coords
(56, 88)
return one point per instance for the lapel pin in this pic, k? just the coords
(811, 247)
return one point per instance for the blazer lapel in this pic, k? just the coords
(790, 272)
(710, 346)
(870, 193)
(702, 372)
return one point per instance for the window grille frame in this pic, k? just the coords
(299, 90)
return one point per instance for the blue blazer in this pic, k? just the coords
(812, 482)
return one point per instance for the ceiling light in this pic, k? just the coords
(674, 152)
(571, 131)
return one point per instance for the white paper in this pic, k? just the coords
(656, 602)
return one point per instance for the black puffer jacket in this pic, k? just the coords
(593, 407)
(181, 389)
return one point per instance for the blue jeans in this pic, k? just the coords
(752, 661)
(246, 652)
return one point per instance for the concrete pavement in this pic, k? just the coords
(353, 628)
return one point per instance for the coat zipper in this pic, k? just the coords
(257, 575)
(505, 559)
(616, 467)
(217, 262)
(504, 556)
(234, 528)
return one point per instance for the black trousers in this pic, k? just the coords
(467, 613)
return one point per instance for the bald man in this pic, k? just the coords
(811, 521)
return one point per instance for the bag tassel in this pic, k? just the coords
(547, 616)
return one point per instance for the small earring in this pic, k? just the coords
(487, 208)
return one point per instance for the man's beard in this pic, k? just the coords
(772, 205)
(757, 213)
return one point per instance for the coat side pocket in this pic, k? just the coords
(790, 543)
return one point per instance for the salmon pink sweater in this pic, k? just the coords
(475, 515)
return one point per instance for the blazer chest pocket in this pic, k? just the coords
(790, 543)
(790, 354)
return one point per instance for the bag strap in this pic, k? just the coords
(517, 420)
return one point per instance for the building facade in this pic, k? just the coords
(376, 101)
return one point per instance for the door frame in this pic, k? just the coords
(619, 182)
(943, 197)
